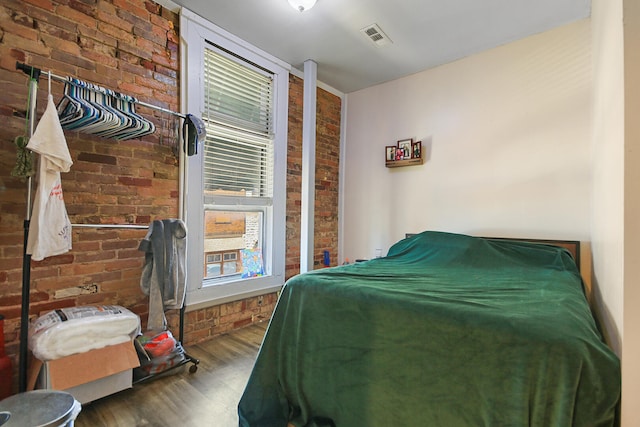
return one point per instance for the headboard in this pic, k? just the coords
(573, 246)
(580, 251)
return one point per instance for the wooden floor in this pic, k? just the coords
(207, 397)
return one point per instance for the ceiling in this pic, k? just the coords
(424, 33)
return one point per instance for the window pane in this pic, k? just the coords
(211, 258)
(230, 267)
(213, 270)
(229, 234)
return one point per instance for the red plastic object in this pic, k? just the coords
(5, 365)
(161, 345)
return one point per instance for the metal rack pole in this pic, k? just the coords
(27, 69)
(26, 258)
(134, 226)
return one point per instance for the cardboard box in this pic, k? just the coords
(88, 376)
(88, 392)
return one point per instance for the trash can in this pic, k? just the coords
(39, 408)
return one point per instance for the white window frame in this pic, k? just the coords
(195, 32)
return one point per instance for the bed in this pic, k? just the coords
(446, 330)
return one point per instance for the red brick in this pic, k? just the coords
(61, 42)
(153, 7)
(135, 89)
(57, 33)
(42, 4)
(84, 7)
(161, 23)
(72, 59)
(116, 31)
(117, 285)
(124, 263)
(133, 256)
(78, 13)
(167, 71)
(137, 10)
(25, 44)
(102, 298)
(92, 33)
(114, 21)
(41, 15)
(89, 157)
(138, 182)
(138, 52)
(241, 323)
(107, 53)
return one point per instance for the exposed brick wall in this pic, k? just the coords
(205, 323)
(294, 176)
(126, 45)
(328, 117)
(131, 46)
(201, 325)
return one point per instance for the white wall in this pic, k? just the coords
(631, 320)
(616, 199)
(507, 135)
(607, 238)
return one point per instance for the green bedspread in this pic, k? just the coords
(446, 330)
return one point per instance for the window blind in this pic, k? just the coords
(238, 95)
(236, 162)
(238, 113)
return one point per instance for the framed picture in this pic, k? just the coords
(416, 150)
(404, 145)
(390, 153)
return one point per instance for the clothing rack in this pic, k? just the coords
(109, 226)
(35, 74)
(28, 69)
(188, 359)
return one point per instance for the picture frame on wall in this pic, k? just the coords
(406, 146)
(416, 150)
(390, 153)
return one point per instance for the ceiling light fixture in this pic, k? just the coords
(302, 5)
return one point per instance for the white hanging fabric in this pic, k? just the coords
(50, 228)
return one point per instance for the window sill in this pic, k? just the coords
(223, 300)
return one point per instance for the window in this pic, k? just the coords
(235, 185)
(215, 267)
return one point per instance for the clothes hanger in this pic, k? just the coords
(95, 110)
(137, 123)
(108, 118)
(146, 127)
(69, 108)
(110, 102)
(88, 115)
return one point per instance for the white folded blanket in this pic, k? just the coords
(60, 333)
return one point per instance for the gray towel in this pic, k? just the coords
(163, 275)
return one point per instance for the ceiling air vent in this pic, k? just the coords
(376, 35)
